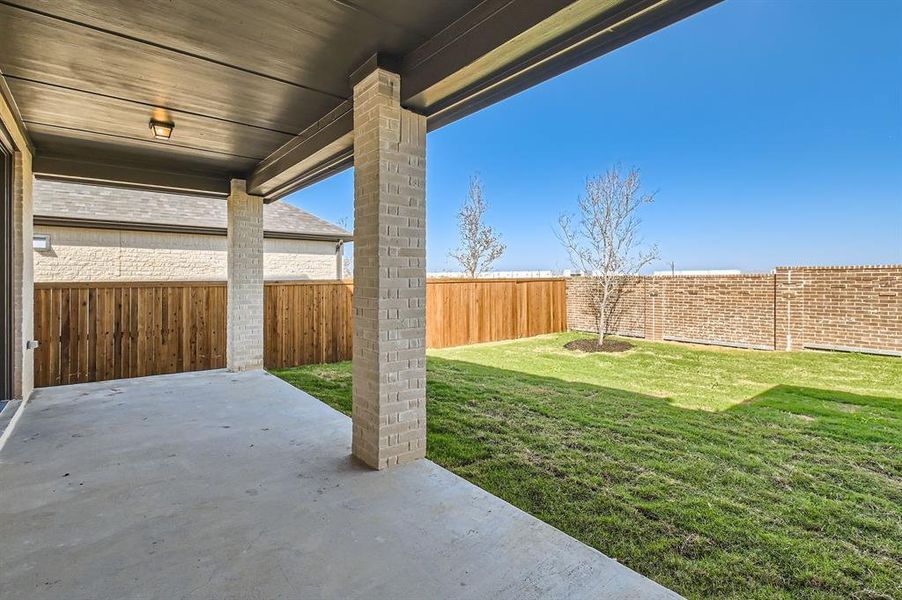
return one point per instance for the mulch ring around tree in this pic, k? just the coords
(591, 345)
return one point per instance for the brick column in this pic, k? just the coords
(389, 410)
(786, 294)
(244, 347)
(655, 307)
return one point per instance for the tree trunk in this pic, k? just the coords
(602, 318)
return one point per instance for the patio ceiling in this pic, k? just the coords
(264, 94)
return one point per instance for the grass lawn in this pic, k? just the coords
(716, 472)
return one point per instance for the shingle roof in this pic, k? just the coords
(80, 202)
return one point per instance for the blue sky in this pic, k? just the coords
(771, 131)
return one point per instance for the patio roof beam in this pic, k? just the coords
(498, 49)
(116, 175)
(324, 148)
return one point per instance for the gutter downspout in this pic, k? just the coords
(339, 260)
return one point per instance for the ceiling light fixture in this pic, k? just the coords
(162, 130)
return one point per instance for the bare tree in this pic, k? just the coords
(347, 266)
(603, 239)
(480, 245)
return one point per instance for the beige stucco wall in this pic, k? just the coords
(23, 283)
(82, 254)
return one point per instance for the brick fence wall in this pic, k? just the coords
(630, 316)
(844, 308)
(737, 309)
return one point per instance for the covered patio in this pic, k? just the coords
(230, 484)
(237, 485)
(213, 99)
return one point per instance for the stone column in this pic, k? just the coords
(389, 369)
(244, 347)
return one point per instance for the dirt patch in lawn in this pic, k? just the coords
(592, 346)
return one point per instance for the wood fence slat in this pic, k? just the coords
(118, 325)
(75, 337)
(62, 333)
(109, 326)
(98, 322)
(53, 376)
(145, 324)
(287, 345)
(81, 332)
(219, 328)
(307, 333)
(199, 307)
(65, 346)
(209, 300)
(93, 315)
(132, 331)
(40, 333)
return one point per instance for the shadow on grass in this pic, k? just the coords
(842, 415)
(793, 493)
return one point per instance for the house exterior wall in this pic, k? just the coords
(83, 254)
(23, 280)
(300, 259)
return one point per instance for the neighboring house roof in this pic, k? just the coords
(68, 204)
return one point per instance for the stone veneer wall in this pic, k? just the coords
(845, 308)
(87, 254)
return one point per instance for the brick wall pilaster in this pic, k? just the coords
(655, 305)
(389, 368)
(786, 297)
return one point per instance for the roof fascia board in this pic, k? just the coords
(51, 221)
(110, 175)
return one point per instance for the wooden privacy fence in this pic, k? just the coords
(92, 332)
(467, 311)
(306, 322)
(99, 331)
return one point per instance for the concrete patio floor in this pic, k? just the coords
(222, 485)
